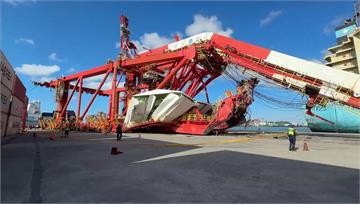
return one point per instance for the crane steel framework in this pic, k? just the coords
(191, 64)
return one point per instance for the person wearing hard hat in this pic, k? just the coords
(292, 138)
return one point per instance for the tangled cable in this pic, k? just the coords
(277, 99)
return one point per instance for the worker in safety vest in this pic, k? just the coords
(292, 138)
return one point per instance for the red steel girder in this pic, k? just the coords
(95, 94)
(69, 99)
(79, 97)
(86, 74)
(146, 59)
(172, 73)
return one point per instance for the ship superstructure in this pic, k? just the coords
(345, 55)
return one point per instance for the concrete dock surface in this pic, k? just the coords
(344, 152)
(178, 168)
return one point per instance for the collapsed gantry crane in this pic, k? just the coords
(189, 66)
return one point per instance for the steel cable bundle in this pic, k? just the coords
(277, 99)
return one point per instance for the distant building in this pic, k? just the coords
(34, 113)
(47, 115)
(261, 123)
(345, 54)
(70, 115)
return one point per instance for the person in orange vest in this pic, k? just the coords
(292, 138)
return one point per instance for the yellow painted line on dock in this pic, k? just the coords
(176, 145)
(237, 140)
(244, 139)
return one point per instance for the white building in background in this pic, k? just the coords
(345, 54)
(34, 113)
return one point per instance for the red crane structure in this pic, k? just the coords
(189, 66)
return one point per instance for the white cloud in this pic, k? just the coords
(316, 61)
(25, 41)
(54, 57)
(37, 70)
(93, 82)
(329, 28)
(152, 40)
(206, 24)
(149, 41)
(18, 2)
(117, 44)
(325, 52)
(270, 17)
(200, 24)
(42, 79)
(70, 70)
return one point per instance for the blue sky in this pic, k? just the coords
(44, 39)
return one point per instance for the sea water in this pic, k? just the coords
(267, 129)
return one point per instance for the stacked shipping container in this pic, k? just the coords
(13, 100)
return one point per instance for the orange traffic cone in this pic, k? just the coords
(115, 151)
(52, 137)
(306, 147)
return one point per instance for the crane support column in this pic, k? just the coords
(63, 111)
(95, 94)
(79, 98)
(62, 89)
(114, 95)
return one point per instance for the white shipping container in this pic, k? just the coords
(14, 125)
(3, 123)
(7, 76)
(5, 99)
(17, 107)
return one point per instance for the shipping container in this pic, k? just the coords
(7, 76)
(3, 120)
(14, 125)
(13, 99)
(17, 107)
(24, 116)
(19, 89)
(5, 99)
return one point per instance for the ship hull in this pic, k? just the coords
(345, 118)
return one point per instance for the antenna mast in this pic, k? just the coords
(126, 46)
(357, 12)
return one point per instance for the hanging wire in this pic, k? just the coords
(274, 101)
(233, 73)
